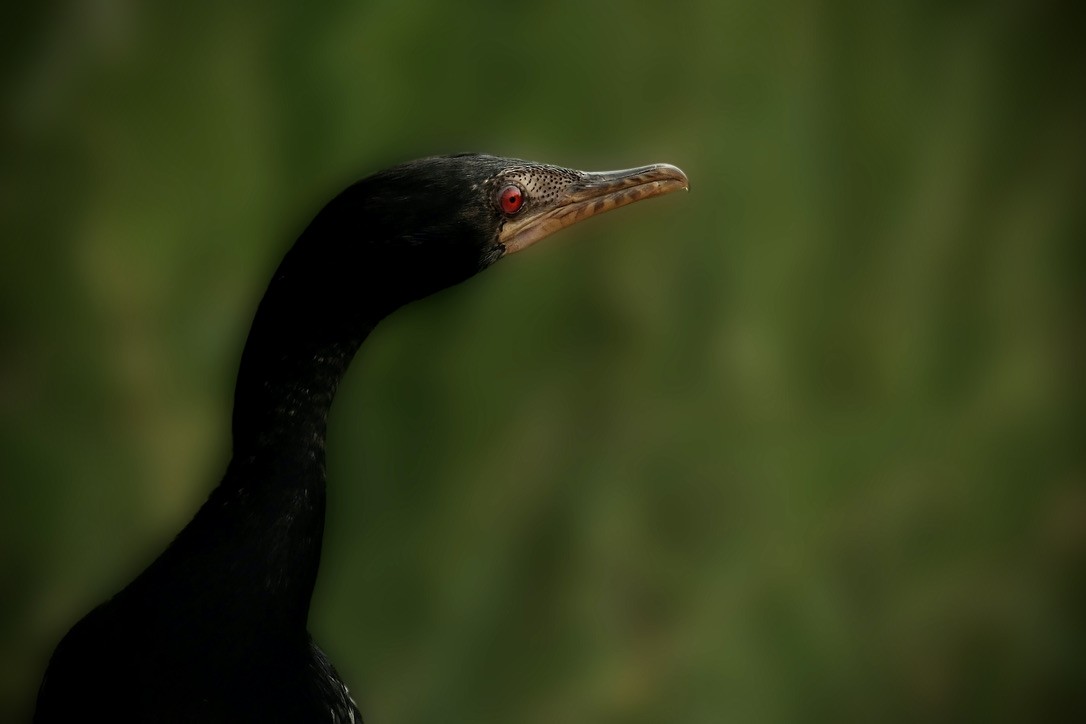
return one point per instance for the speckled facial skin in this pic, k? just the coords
(542, 184)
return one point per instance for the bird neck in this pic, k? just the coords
(287, 381)
(303, 337)
(247, 563)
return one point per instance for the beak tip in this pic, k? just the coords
(674, 173)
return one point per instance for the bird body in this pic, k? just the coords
(214, 630)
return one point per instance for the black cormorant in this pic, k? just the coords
(214, 630)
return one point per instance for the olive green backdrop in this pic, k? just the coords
(802, 445)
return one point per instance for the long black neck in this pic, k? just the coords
(247, 562)
(299, 347)
(246, 565)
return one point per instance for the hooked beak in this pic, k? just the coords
(586, 195)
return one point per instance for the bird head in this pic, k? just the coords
(421, 226)
(394, 237)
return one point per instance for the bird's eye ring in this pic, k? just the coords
(511, 199)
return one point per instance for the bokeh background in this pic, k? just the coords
(804, 444)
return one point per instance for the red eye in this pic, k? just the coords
(511, 199)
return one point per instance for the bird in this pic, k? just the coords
(215, 628)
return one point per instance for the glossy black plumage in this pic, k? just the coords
(215, 629)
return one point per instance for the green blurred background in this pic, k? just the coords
(804, 444)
